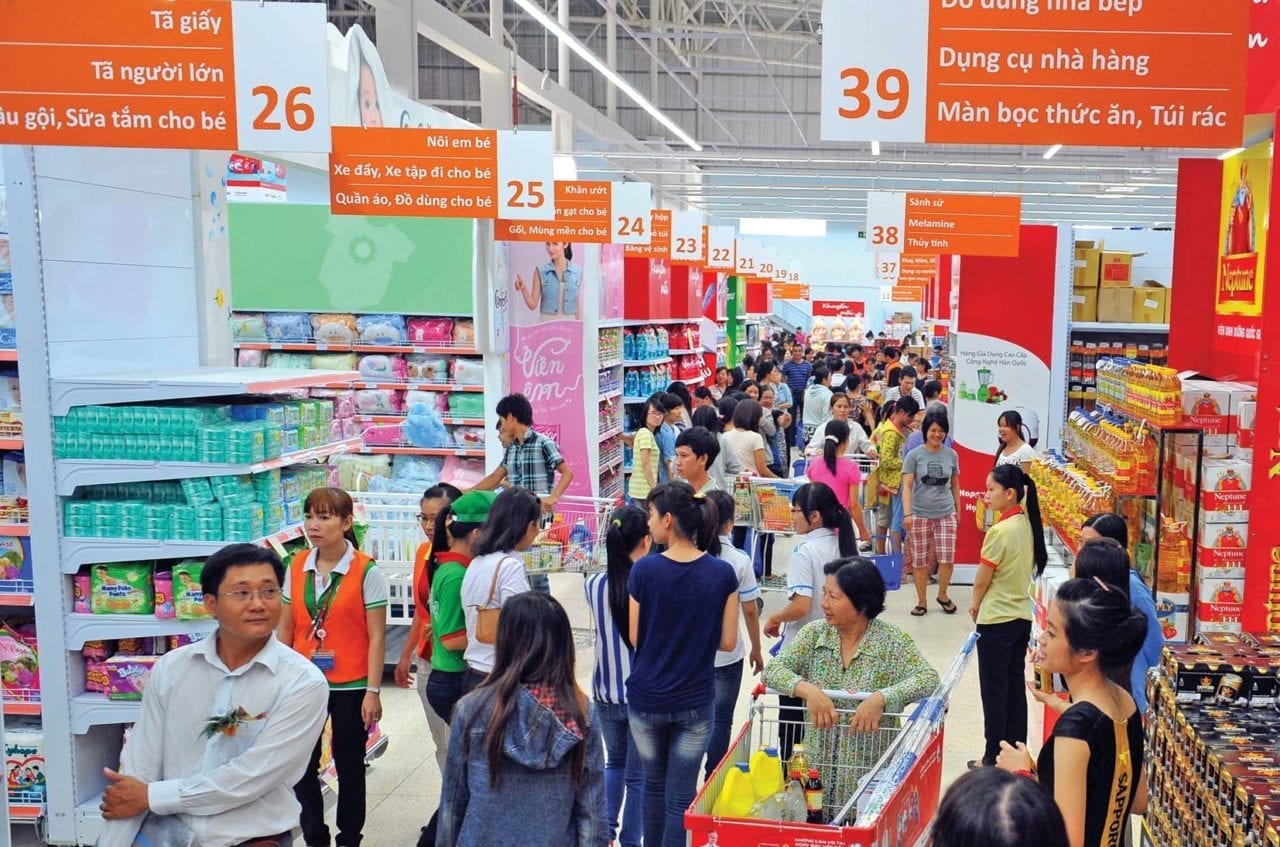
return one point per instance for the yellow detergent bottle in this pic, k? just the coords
(766, 772)
(737, 797)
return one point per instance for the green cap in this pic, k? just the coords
(474, 506)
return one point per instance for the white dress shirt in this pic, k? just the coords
(226, 789)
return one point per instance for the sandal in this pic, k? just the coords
(919, 612)
(947, 605)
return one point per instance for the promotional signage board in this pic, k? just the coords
(789, 291)
(839, 308)
(588, 212)
(1264, 60)
(934, 224)
(1242, 250)
(1118, 73)
(442, 173)
(211, 75)
(659, 243)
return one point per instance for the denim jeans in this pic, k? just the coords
(671, 746)
(622, 770)
(728, 683)
(540, 583)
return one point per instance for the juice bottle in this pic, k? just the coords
(799, 762)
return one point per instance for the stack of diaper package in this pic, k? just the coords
(120, 668)
(437, 354)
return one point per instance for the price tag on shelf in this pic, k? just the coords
(686, 238)
(526, 176)
(174, 74)
(721, 246)
(1119, 73)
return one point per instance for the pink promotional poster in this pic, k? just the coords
(549, 285)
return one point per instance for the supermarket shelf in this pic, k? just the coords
(612, 432)
(17, 592)
(8, 355)
(644, 363)
(359, 384)
(81, 628)
(610, 323)
(683, 352)
(14, 530)
(629, 400)
(21, 707)
(26, 810)
(472, 453)
(661, 322)
(611, 363)
(616, 461)
(90, 710)
(157, 384)
(395, 419)
(72, 473)
(322, 347)
(86, 551)
(1162, 329)
(11, 444)
(610, 394)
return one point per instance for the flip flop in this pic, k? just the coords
(919, 612)
(948, 605)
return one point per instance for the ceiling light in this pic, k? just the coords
(569, 40)
(564, 168)
(1229, 153)
(800, 227)
(875, 148)
(1052, 151)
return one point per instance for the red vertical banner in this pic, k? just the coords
(1001, 364)
(1195, 267)
(1242, 252)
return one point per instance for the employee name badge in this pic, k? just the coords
(323, 659)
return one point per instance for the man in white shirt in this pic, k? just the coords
(906, 387)
(227, 723)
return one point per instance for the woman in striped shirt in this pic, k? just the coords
(626, 542)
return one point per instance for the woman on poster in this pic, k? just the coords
(556, 290)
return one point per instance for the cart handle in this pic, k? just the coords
(835, 694)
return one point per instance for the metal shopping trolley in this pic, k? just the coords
(880, 788)
(572, 537)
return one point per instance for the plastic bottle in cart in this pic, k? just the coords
(813, 798)
(799, 761)
(766, 772)
(796, 809)
(737, 796)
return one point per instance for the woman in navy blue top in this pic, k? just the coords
(672, 685)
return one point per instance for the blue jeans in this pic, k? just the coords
(540, 583)
(671, 746)
(728, 683)
(622, 770)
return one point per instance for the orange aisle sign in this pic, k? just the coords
(589, 212)
(1116, 73)
(934, 224)
(720, 248)
(441, 173)
(916, 271)
(659, 245)
(748, 258)
(789, 291)
(212, 75)
(686, 238)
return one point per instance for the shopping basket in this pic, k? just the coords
(879, 788)
(572, 537)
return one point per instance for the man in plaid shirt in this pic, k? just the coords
(532, 460)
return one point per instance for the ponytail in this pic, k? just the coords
(1013, 477)
(837, 434)
(696, 516)
(439, 539)
(627, 527)
(818, 497)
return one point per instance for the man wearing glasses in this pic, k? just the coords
(227, 724)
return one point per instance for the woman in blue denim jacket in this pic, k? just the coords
(556, 291)
(526, 766)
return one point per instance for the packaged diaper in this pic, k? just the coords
(81, 589)
(96, 650)
(24, 759)
(333, 362)
(163, 585)
(182, 640)
(127, 676)
(430, 330)
(188, 599)
(464, 333)
(95, 676)
(248, 326)
(468, 371)
(382, 329)
(378, 401)
(121, 589)
(19, 663)
(427, 368)
(334, 329)
(288, 326)
(251, 358)
(197, 491)
(379, 368)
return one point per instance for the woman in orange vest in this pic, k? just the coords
(336, 616)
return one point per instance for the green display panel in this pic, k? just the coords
(735, 304)
(287, 257)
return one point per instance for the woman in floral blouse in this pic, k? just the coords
(850, 651)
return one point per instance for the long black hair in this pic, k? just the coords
(534, 647)
(837, 434)
(443, 534)
(627, 526)
(1013, 477)
(1109, 525)
(1106, 560)
(509, 518)
(708, 418)
(1100, 618)
(990, 807)
(695, 517)
(682, 391)
(818, 497)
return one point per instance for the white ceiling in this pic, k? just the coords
(742, 76)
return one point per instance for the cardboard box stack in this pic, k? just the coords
(1103, 288)
(1213, 730)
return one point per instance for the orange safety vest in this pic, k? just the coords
(422, 595)
(346, 627)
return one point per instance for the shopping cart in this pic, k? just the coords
(391, 537)
(880, 788)
(572, 537)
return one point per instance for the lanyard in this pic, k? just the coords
(322, 605)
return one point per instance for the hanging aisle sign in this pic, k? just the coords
(442, 173)
(211, 75)
(686, 238)
(1115, 73)
(659, 244)
(588, 212)
(721, 247)
(935, 224)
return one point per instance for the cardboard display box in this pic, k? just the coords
(1151, 303)
(1088, 260)
(1116, 269)
(1115, 305)
(1084, 305)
